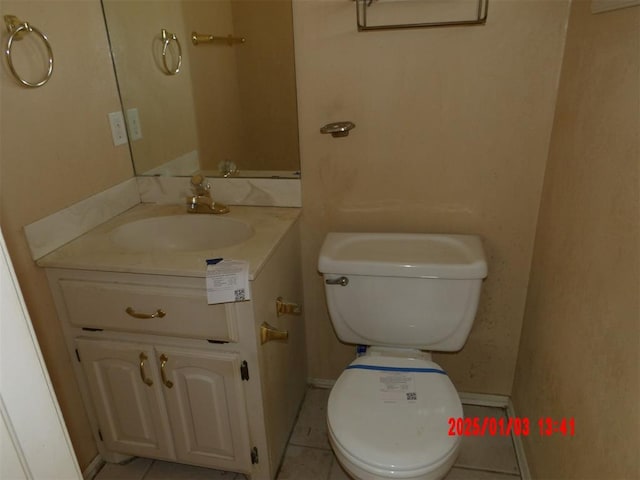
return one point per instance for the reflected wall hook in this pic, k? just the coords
(167, 38)
(338, 129)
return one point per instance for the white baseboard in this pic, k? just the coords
(501, 401)
(600, 6)
(93, 468)
(525, 473)
(484, 399)
(320, 382)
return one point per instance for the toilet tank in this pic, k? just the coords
(403, 290)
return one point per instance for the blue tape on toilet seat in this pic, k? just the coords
(382, 368)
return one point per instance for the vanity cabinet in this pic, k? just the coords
(164, 375)
(165, 402)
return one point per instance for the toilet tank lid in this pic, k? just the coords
(419, 255)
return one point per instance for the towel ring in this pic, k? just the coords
(17, 29)
(167, 38)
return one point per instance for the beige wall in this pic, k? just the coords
(453, 129)
(56, 149)
(580, 349)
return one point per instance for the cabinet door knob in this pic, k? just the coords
(268, 333)
(163, 361)
(157, 314)
(143, 375)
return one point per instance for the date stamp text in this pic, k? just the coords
(506, 426)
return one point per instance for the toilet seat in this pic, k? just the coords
(388, 417)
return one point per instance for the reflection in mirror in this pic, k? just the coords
(230, 110)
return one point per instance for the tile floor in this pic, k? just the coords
(309, 456)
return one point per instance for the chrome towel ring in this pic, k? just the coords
(16, 30)
(167, 38)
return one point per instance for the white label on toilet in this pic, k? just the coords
(397, 387)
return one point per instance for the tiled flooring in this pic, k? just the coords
(309, 455)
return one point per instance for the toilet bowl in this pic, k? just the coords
(388, 419)
(403, 295)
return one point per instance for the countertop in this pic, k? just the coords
(96, 251)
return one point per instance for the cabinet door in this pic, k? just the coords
(206, 407)
(125, 388)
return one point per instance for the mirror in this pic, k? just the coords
(217, 104)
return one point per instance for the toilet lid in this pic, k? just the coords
(393, 413)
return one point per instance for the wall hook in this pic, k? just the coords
(338, 129)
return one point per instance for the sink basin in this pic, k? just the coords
(181, 233)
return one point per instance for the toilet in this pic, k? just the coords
(398, 297)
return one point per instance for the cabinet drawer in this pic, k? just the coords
(104, 305)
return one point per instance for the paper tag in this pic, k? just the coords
(397, 387)
(228, 281)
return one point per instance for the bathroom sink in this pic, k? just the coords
(181, 233)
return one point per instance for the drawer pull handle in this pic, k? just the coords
(163, 361)
(145, 379)
(157, 314)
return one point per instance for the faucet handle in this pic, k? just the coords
(200, 184)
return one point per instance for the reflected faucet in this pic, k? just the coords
(201, 201)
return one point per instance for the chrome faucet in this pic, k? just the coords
(201, 201)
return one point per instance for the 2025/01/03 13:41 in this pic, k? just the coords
(505, 426)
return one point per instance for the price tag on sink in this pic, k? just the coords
(227, 281)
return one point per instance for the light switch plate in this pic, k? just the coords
(118, 130)
(133, 124)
